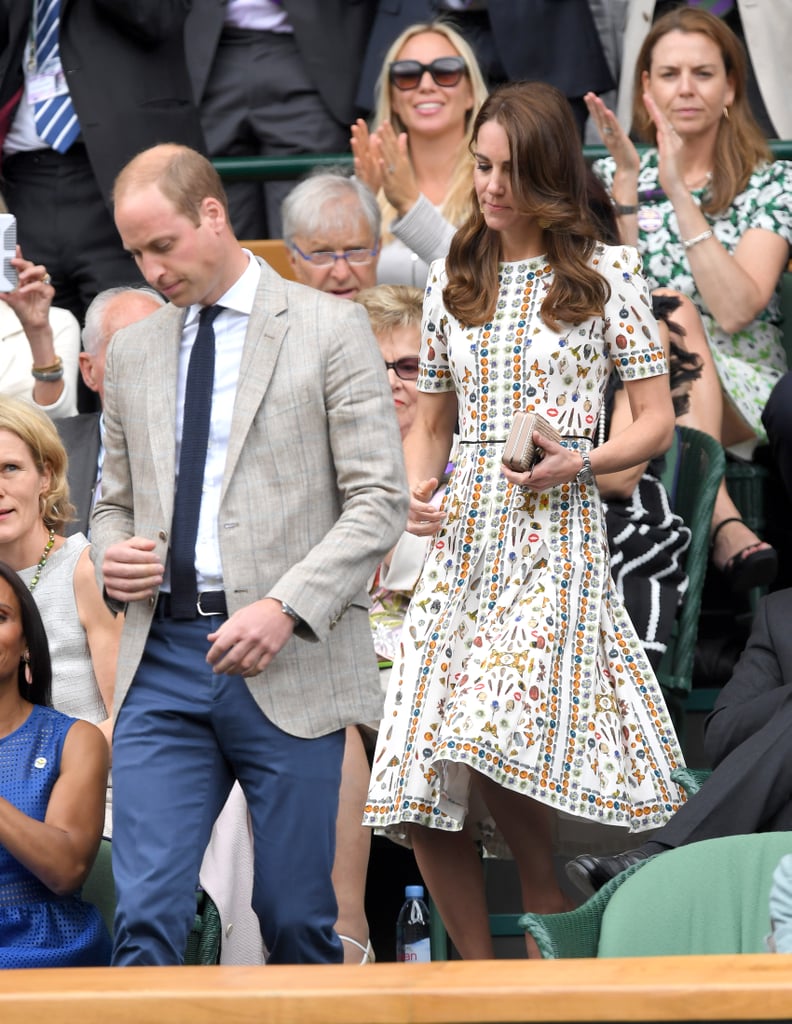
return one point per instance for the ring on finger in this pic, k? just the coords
(47, 279)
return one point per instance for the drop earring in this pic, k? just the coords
(28, 674)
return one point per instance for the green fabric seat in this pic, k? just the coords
(705, 898)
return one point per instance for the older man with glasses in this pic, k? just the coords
(331, 225)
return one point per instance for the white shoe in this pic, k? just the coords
(367, 950)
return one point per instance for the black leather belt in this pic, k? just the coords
(210, 602)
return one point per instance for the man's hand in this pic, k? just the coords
(247, 642)
(131, 570)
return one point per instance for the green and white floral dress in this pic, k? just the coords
(751, 360)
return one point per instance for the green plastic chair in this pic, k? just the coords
(203, 942)
(695, 466)
(706, 898)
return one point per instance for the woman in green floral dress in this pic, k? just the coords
(711, 214)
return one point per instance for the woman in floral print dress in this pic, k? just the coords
(712, 216)
(520, 680)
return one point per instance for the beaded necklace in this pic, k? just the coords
(42, 561)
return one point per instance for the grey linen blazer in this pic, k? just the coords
(313, 495)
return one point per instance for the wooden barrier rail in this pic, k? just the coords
(706, 988)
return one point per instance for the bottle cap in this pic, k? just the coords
(414, 892)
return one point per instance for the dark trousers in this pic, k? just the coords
(777, 420)
(63, 222)
(749, 791)
(183, 735)
(260, 101)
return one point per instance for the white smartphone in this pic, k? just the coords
(9, 278)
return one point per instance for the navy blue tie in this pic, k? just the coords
(192, 461)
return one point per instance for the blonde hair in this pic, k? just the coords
(37, 431)
(457, 201)
(391, 306)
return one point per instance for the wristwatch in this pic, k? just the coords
(585, 474)
(288, 610)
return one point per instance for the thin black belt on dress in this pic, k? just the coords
(210, 602)
(484, 441)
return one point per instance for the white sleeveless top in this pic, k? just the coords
(75, 690)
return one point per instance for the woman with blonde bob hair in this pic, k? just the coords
(34, 510)
(521, 691)
(416, 157)
(711, 214)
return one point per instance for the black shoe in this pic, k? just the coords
(589, 873)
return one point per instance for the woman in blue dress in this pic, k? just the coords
(53, 774)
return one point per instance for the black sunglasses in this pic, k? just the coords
(405, 369)
(445, 72)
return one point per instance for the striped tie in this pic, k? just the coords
(720, 8)
(55, 119)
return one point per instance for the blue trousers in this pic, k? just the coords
(182, 736)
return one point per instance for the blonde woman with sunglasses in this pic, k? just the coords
(416, 156)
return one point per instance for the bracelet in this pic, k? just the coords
(49, 373)
(622, 210)
(688, 243)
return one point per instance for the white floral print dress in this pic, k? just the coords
(517, 658)
(750, 361)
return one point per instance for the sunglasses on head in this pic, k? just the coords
(445, 72)
(406, 368)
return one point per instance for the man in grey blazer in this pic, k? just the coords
(302, 493)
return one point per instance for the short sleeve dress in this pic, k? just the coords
(517, 658)
(37, 927)
(751, 360)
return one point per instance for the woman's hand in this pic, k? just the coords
(423, 519)
(32, 297)
(559, 465)
(669, 149)
(366, 161)
(398, 178)
(616, 140)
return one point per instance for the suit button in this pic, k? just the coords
(163, 535)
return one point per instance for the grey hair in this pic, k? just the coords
(93, 332)
(317, 202)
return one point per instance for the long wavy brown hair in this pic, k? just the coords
(548, 178)
(740, 145)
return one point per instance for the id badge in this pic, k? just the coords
(46, 84)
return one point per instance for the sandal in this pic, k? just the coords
(367, 950)
(746, 571)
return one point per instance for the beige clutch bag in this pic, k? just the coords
(519, 452)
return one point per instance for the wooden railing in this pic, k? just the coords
(715, 988)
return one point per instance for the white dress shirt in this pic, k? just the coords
(230, 328)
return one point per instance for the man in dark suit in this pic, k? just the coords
(553, 41)
(273, 79)
(122, 66)
(111, 310)
(748, 739)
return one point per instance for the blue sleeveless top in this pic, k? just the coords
(37, 927)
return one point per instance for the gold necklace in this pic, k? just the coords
(42, 561)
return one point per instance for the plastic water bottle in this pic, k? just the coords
(412, 928)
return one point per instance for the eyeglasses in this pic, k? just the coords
(355, 257)
(405, 369)
(445, 72)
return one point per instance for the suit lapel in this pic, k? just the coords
(265, 334)
(162, 362)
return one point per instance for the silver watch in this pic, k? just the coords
(585, 474)
(288, 610)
